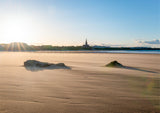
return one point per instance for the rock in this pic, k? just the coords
(60, 64)
(35, 63)
(114, 64)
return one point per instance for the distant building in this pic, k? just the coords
(86, 45)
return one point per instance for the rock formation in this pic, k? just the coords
(114, 64)
(37, 65)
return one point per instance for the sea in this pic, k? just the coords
(106, 51)
(132, 51)
(98, 51)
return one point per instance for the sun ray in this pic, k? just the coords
(24, 49)
(12, 46)
(8, 46)
(18, 45)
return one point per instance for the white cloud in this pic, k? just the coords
(156, 41)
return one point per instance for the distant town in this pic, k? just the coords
(19, 46)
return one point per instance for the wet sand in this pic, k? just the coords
(88, 87)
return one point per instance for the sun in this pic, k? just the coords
(17, 29)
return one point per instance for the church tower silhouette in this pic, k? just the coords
(86, 45)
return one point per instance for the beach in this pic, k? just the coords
(87, 87)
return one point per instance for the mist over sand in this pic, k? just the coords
(88, 87)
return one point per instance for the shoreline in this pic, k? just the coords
(154, 52)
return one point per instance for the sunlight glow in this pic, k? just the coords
(17, 29)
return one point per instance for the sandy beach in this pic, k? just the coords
(88, 87)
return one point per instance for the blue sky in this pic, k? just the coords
(70, 22)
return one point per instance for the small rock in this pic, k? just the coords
(35, 63)
(114, 64)
(60, 64)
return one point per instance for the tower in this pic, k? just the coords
(86, 45)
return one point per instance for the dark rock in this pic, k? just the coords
(35, 63)
(60, 64)
(114, 64)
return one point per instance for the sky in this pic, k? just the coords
(70, 22)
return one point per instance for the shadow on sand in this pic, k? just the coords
(137, 69)
(116, 64)
(34, 68)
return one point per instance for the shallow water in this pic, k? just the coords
(133, 51)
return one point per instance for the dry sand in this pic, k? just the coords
(89, 87)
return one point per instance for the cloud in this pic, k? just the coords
(150, 42)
